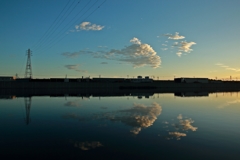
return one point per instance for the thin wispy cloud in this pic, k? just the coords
(179, 54)
(75, 68)
(164, 49)
(229, 103)
(175, 44)
(174, 37)
(228, 67)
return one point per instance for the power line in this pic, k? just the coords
(58, 39)
(56, 25)
(51, 25)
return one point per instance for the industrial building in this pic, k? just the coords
(191, 80)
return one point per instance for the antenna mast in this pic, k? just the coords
(28, 71)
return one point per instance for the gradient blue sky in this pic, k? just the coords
(120, 38)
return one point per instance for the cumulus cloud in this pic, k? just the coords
(138, 54)
(135, 41)
(88, 26)
(174, 37)
(88, 145)
(139, 116)
(75, 68)
(104, 63)
(186, 46)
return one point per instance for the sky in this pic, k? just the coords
(121, 38)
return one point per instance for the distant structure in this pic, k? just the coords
(28, 71)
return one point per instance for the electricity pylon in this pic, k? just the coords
(28, 71)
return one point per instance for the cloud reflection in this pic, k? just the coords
(183, 125)
(73, 116)
(88, 145)
(139, 116)
(72, 104)
(178, 135)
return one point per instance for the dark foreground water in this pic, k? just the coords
(160, 126)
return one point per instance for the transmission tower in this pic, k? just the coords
(28, 71)
(27, 101)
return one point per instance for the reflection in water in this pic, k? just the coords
(184, 124)
(72, 104)
(108, 130)
(139, 116)
(28, 102)
(229, 103)
(87, 145)
(181, 125)
(178, 135)
(73, 116)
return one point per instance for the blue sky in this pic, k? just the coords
(181, 38)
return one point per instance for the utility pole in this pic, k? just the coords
(28, 71)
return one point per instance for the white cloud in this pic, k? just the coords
(174, 37)
(137, 54)
(88, 26)
(186, 46)
(135, 41)
(179, 54)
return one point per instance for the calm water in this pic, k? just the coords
(160, 126)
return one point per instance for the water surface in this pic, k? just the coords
(160, 126)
